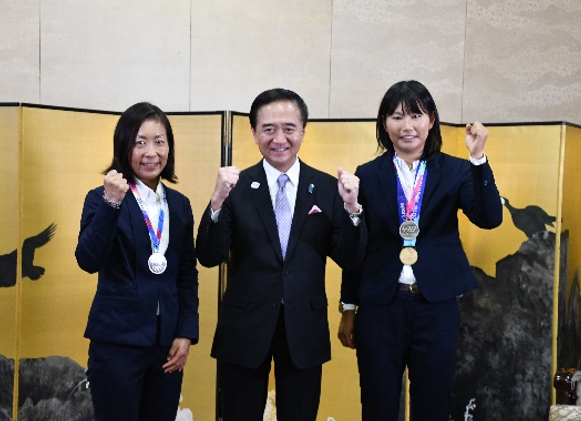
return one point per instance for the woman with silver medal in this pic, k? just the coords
(402, 298)
(144, 315)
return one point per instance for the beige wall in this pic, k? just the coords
(492, 60)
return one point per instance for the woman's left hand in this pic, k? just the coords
(476, 135)
(178, 355)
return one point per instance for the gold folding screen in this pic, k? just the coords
(571, 196)
(62, 155)
(197, 161)
(52, 157)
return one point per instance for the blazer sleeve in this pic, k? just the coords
(350, 274)
(212, 243)
(98, 226)
(349, 240)
(480, 199)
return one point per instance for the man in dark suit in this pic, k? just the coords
(275, 305)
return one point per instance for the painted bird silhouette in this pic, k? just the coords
(29, 270)
(531, 219)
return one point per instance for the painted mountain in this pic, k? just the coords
(504, 355)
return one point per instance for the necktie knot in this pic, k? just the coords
(282, 179)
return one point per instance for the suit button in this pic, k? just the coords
(276, 304)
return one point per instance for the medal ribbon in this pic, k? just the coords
(154, 235)
(409, 210)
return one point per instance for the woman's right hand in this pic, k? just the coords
(115, 186)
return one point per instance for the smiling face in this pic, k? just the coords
(408, 132)
(279, 133)
(150, 152)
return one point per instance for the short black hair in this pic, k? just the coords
(414, 98)
(275, 95)
(126, 133)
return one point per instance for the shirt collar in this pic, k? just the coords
(404, 166)
(147, 194)
(272, 173)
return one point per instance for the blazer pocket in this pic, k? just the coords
(236, 300)
(319, 302)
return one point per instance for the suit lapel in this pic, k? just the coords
(387, 181)
(174, 215)
(258, 190)
(434, 172)
(138, 227)
(303, 204)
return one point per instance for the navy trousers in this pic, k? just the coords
(128, 384)
(410, 332)
(243, 390)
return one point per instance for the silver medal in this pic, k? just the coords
(409, 230)
(157, 263)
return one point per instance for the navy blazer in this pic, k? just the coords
(116, 244)
(442, 270)
(259, 279)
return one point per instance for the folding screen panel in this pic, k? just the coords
(330, 145)
(567, 339)
(506, 354)
(10, 118)
(198, 153)
(63, 154)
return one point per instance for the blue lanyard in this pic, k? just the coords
(409, 210)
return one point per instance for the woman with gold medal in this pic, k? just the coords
(399, 307)
(137, 234)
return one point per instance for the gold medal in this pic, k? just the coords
(408, 256)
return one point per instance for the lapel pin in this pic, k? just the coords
(311, 187)
(255, 185)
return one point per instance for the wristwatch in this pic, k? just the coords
(354, 215)
(346, 307)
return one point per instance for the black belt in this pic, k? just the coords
(413, 288)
